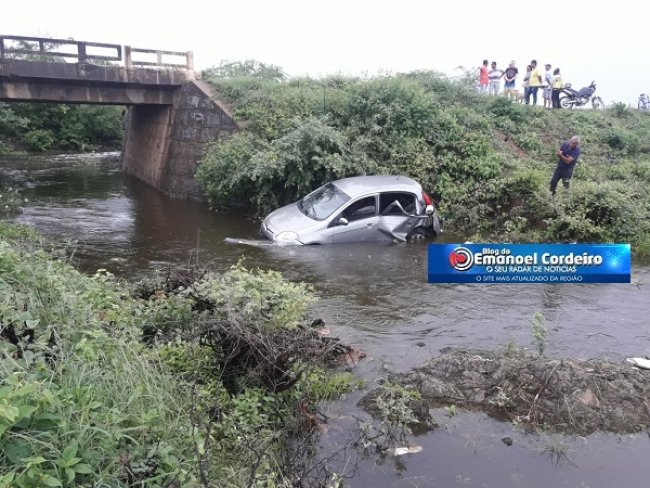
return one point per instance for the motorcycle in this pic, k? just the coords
(570, 98)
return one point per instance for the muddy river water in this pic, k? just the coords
(377, 298)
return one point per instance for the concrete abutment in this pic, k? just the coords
(164, 143)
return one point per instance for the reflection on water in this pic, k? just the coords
(376, 297)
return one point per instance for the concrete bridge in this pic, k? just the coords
(171, 115)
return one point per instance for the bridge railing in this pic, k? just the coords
(47, 49)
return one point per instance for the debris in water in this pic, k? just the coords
(400, 451)
(250, 242)
(642, 363)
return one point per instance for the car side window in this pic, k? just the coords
(388, 203)
(361, 209)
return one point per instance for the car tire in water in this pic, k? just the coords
(565, 102)
(418, 235)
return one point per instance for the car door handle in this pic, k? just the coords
(370, 225)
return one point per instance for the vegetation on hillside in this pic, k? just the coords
(486, 160)
(191, 380)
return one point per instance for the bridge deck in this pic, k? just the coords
(38, 69)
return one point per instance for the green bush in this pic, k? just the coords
(246, 69)
(619, 110)
(84, 402)
(528, 142)
(478, 156)
(597, 212)
(39, 140)
(224, 172)
(262, 298)
(43, 127)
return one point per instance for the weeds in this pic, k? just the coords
(540, 333)
(105, 384)
(394, 407)
(557, 449)
(485, 160)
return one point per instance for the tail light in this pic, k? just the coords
(428, 204)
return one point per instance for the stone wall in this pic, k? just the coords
(164, 144)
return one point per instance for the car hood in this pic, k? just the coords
(288, 218)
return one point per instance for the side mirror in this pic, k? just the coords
(342, 221)
(429, 210)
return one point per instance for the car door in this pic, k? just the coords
(361, 226)
(394, 222)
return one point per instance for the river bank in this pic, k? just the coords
(377, 298)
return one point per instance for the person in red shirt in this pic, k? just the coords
(483, 77)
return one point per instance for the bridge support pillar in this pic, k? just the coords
(164, 143)
(146, 142)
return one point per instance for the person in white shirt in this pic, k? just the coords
(548, 89)
(495, 76)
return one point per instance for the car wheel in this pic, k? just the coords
(417, 235)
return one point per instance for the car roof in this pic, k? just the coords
(359, 185)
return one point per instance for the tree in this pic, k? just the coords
(246, 69)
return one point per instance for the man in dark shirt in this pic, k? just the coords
(510, 76)
(568, 154)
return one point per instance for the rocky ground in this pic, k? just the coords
(558, 395)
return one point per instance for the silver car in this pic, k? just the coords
(359, 209)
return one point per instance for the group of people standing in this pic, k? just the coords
(533, 80)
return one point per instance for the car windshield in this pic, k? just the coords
(323, 202)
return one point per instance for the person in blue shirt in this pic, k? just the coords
(569, 153)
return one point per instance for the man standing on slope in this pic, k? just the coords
(483, 77)
(569, 153)
(535, 82)
(495, 75)
(548, 86)
(510, 76)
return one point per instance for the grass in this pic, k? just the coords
(557, 449)
(85, 401)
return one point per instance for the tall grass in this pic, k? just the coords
(104, 385)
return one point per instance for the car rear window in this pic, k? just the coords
(323, 202)
(388, 203)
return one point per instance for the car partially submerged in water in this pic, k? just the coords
(358, 209)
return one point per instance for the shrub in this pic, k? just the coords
(303, 132)
(300, 161)
(83, 402)
(39, 140)
(246, 69)
(43, 127)
(225, 170)
(619, 110)
(262, 298)
(596, 212)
